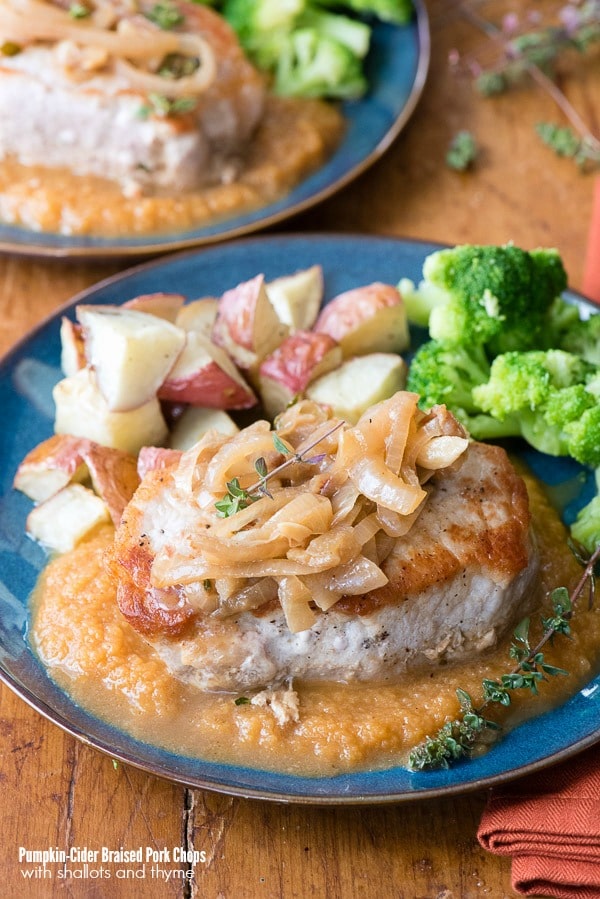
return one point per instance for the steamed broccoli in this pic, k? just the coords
(586, 528)
(547, 394)
(520, 381)
(350, 33)
(498, 297)
(561, 318)
(446, 373)
(583, 338)
(311, 64)
(262, 26)
(419, 301)
(397, 11)
(310, 51)
(550, 398)
(508, 355)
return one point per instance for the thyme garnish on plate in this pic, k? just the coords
(238, 497)
(166, 15)
(531, 50)
(459, 738)
(161, 106)
(462, 151)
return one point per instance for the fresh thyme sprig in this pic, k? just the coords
(566, 142)
(238, 497)
(462, 151)
(458, 738)
(535, 54)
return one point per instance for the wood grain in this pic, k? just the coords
(57, 792)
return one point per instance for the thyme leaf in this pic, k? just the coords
(261, 467)
(162, 106)
(238, 497)
(234, 500)
(280, 446)
(462, 151)
(565, 142)
(166, 15)
(79, 11)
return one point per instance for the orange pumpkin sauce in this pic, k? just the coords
(91, 651)
(294, 139)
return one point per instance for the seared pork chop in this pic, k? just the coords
(456, 582)
(63, 105)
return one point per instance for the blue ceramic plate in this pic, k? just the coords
(396, 70)
(27, 375)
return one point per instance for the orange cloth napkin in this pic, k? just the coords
(591, 276)
(549, 823)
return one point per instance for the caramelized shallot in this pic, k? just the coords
(322, 505)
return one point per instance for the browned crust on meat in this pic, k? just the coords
(146, 615)
(477, 521)
(130, 563)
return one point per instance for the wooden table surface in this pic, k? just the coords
(56, 792)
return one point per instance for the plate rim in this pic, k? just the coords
(162, 770)
(80, 253)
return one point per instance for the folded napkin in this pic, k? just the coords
(549, 823)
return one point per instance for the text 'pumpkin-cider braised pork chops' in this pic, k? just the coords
(110, 89)
(390, 544)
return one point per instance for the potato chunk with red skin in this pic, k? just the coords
(288, 371)
(204, 375)
(247, 326)
(297, 298)
(369, 319)
(81, 410)
(130, 352)
(199, 315)
(64, 459)
(162, 305)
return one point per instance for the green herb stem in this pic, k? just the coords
(238, 498)
(523, 52)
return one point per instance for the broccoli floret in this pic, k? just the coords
(517, 381)
(496, 296)
(583, 338)
(444, 373)
(568, 404)
(309, 51)
(419, 301)
(592, 383)
(261, 25)
(313, 65)
(586, 528)
(526, 381)
(447, 373)
(547, 394)
(252, 18)
(351, 33)
(584, 437)
(397, 11)
(561, 317)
